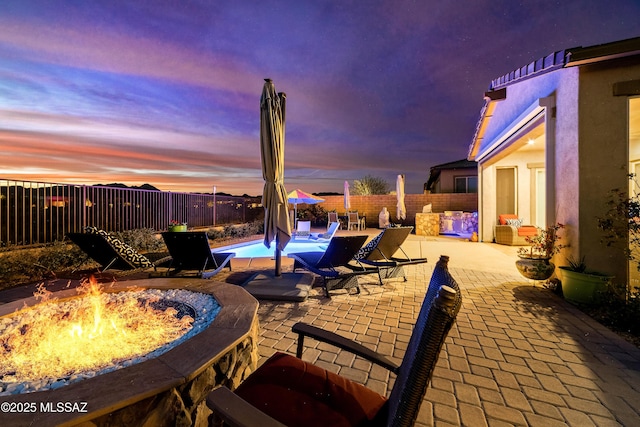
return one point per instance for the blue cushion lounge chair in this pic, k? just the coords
(285, 390)
(303, 229)
(339, 253)
(331, 231)
(378, 256)
(190, 250)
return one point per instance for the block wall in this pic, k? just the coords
(370, 206)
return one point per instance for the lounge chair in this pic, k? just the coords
(327, 264)
(379, 254)
(112, 253)
(286, 390)
(303, 229)
(190, 251)
(328, 235)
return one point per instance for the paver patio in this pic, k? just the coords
(518, 354)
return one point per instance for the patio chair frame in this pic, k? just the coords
(190, 250)
(331, 264)
(381, 259)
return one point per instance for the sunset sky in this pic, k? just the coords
(167, 92)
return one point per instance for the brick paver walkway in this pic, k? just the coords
(518, 355)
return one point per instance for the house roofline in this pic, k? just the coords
(602, 52)
(572, 57)
(485, 115)
(535, 68)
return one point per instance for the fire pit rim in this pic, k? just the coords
(115, 390)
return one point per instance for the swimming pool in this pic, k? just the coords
(257, 249)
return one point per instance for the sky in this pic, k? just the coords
(168, 92)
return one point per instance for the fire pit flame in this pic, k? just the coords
(66, 339)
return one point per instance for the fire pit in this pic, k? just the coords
(58, 342)
(170, 387)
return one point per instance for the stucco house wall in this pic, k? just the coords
(523, 100)
(447, 178)
(566, 186)
(603, 156)
(586, 139)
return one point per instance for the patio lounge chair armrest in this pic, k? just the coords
(236, 412)
(304, 329)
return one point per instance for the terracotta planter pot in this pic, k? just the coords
(583, 288)
(535, 268)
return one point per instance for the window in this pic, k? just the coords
(466, 184)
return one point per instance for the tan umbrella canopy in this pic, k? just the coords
(401, 210)
(274, 195)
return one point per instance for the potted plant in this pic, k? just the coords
(580, 285)
(535, 260)
(175, 226)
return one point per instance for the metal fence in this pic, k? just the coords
(40, 212)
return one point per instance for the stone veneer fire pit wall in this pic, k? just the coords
(167, 390)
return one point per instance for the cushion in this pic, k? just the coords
(502, 219)
(298, 393)
(124, 250)
(527, 230)
(364, 251)
(517, 223)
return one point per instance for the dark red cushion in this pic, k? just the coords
(301, 394)
(527, 230)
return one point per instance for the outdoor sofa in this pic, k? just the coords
(510, 231)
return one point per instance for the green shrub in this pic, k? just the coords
(30, 265)
(21, 266)
(620, 308)
(142, 239)
(314, 213)
(236, 231)
(216, 233)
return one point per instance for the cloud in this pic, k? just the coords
(168, 93)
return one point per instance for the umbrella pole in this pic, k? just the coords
(278, 256)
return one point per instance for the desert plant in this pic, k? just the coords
(236, 231)
(621, 222)
(544, 244)
(31, 265)
(142, 239)
(314, 213)
(577, 264)
(620, 308)
(370, 185)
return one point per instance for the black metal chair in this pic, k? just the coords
(379, 255)
(112, 253)
(286, 391)
(190, 251)
(328, 263)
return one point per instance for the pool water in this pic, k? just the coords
(257, 249)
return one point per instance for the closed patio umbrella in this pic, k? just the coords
(299, 196)
(401, 210)
(347, 197)
(274, 195)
